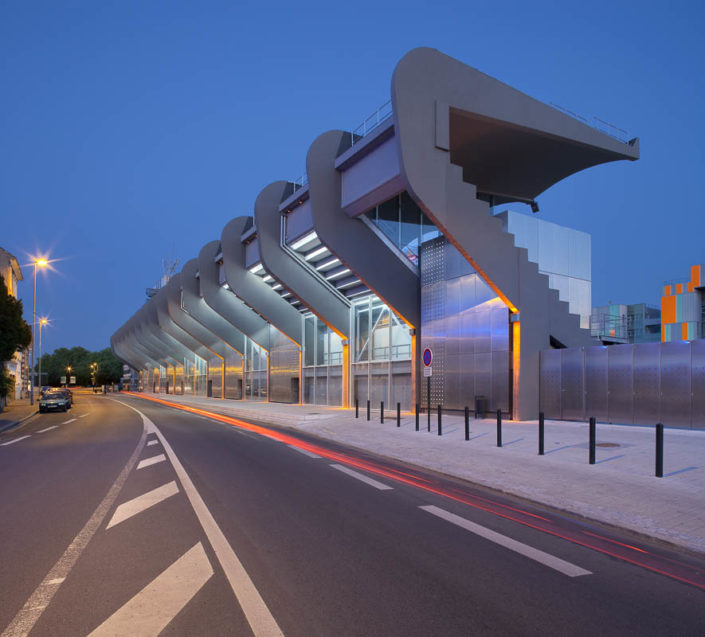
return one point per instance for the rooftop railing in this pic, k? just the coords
(598, 124)
(379, 116)
(300, 182)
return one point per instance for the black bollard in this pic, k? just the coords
(659, 450)
(541, 432)
(467, 423)
(398, 415)
(440, 426)
(368, 410)
(417, 416)
(381, 412)
(499, 429)
(593, 437)
(357, 409)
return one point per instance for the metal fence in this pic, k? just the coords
(640, 384)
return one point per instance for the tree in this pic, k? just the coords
(15, 334)
(80, 361)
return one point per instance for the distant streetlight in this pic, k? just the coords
(68, 375)
(42, 321)
(38, 263)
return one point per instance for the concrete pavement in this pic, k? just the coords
(619, 490)
(17, 411)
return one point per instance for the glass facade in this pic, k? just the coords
(255, 371)
(381, 358)
(322, 362)
(404, 224)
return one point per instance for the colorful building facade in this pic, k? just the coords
(683, 308)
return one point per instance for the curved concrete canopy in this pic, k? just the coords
(358, 247)
(196, 306)
(166, 323)
(153, 333)
(252, 289)
(328, 305)
(148, 343)
(190, 325)
(128, 336)
(126, 353)
(225, 303)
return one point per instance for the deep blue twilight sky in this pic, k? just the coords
(134, 130)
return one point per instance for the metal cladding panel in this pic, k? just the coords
(483, 375)
(283, 368)
(233, 376)
(550, 383)
(500, 329)
(299, 221)
(620, 397)
(360, 384)
(432, 271)
(215, 376)
(572, 370)
(647, 363)
(500, 381)
(675, 384)
(379, 383)
(596, 382)
(697, 383)
(453, 397)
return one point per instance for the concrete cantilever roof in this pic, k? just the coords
(464, 139)
(127, 353)
(350, 239)
(188, 323)
(152, 332)
(196, 306)
(328, 305)
(251, 288)
(131, 336)
(226, 304)
(166, 323)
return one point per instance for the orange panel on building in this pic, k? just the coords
(668, 310)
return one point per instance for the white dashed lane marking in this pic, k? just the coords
(41, 431)
(149, 612)
(306, 452)
(557, 564)
(66, 422)
(143, 502)
(147, 462)
(152, 442)
(362, 478)
(12, 442)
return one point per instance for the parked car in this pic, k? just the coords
(68, 393)
(54, 400)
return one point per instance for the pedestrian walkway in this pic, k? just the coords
(15, 412)
(620, 489)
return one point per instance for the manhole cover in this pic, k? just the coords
(313, 413)
(607, 444)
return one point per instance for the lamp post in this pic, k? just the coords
(94, 372)
(68, 375)
(42, 322)
(41, 263)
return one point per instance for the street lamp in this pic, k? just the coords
(42, 322)
(68, 375)
(38, 263)
(94, 371)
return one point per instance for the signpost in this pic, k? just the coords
(63, 380)
(428, 372)
(73, 380)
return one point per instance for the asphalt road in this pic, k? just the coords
(224, 531)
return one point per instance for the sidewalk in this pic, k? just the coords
(15, 412)
(620, 489)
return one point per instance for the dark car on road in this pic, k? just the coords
(54, 400)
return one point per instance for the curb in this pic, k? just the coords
(16, 423)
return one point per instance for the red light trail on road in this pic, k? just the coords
(684, 573)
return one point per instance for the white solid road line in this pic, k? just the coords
(41, 431)
(66, 422)
(12, 442)
(149, 612)
(28, 615)
(148, 462)
(253, 606)
(143, 502)
(83, 415)
(362, 478)
(571, 570)
(306, 452)
(152, 442)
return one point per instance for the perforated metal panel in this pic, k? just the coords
(572, 393)
(620, 384)
(595, 382)
(675, 384)
(647, 363)
(467, 328)
(550, 384)
(283, 369)
(697, 383)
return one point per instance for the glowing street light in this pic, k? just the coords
(40, 262)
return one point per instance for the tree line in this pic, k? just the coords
(82, 363)
(15, 335)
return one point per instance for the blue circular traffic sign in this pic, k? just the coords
(427, 357)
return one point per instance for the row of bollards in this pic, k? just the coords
(541, 431)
